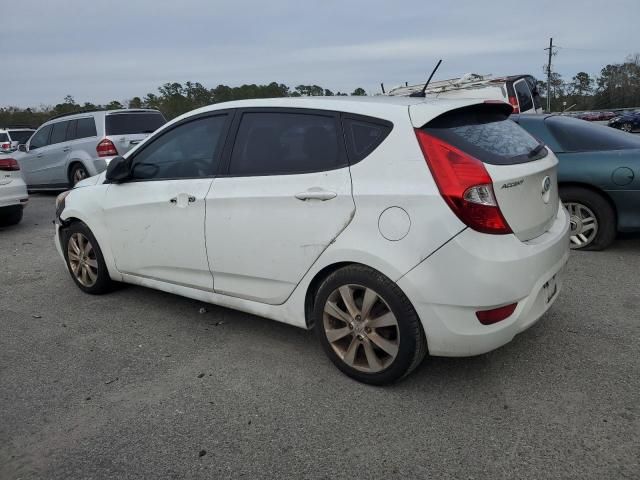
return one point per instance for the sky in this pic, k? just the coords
(103, 50)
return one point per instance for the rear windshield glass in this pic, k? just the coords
(20, 136)
(575, 135)
(127, 123)
(4, 137)
(486, 134)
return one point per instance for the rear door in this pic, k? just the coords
(127, 129)
(523, 170)
(524, 96)
(285, 195)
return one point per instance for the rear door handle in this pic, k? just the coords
(66, 149)
(322, 195)
(40, 155)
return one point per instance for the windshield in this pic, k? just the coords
(128, 123)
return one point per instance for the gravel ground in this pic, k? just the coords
(139, 384)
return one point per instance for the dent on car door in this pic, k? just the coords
(285, 197)
(156, 220)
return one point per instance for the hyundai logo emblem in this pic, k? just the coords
(546, 184)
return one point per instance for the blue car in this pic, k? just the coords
(627, 122)
(598, 176)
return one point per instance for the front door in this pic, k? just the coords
(285, 196)
(156, 220)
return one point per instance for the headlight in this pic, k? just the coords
(60, 203)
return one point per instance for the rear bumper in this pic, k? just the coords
(14, 193)
(475, 271)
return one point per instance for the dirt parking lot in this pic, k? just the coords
(140, 384)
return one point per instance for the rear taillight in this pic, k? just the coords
(495, 315)
(5, 146)
(465, 185)
(9, 164)
(514, 103)
(106, 148)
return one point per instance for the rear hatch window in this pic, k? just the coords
(487, 133)
(20, 136)
(4, 137)
(129, 123)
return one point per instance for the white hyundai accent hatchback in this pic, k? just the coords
(393, 226)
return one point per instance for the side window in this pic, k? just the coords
(524, 95)
(272, 143)
(59, 132)
(71, 129)
(40, 138)
(190, 150)
(364, 135)
(86, 128)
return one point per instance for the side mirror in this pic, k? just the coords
(118, 170)
(22, 147)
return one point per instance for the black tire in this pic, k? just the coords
(412, 344)
(76, 173)
(103, 282)
(603, 211)
(10, 215)
(627, 127)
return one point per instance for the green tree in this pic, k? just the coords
(359, 92)
(135, 102)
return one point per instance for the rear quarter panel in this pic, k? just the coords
(616, 173)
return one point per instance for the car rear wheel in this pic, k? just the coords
(626, 127)
(591, 217)
(367, 326)
(78, 172)
(84, 259)
(10, 215)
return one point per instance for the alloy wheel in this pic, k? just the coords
(584, 224)
(626, 127)
(82, 259)
(79, 174)
(361, 328)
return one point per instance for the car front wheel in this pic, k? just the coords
(367, 326)
(84, 259)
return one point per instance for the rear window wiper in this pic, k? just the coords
(536, 150)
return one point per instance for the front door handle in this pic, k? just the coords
(66, 149)
(40, 155)
(182, 199)
(316, 194)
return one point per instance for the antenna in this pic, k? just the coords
(422, 93)
(382, 87)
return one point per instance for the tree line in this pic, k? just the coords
(617, 86)
(172, 99)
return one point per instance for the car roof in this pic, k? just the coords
(365, 105)
(82, 114)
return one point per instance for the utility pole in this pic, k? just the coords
(549, 75)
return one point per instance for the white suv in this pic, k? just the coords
(71, 147)
(395, 226)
